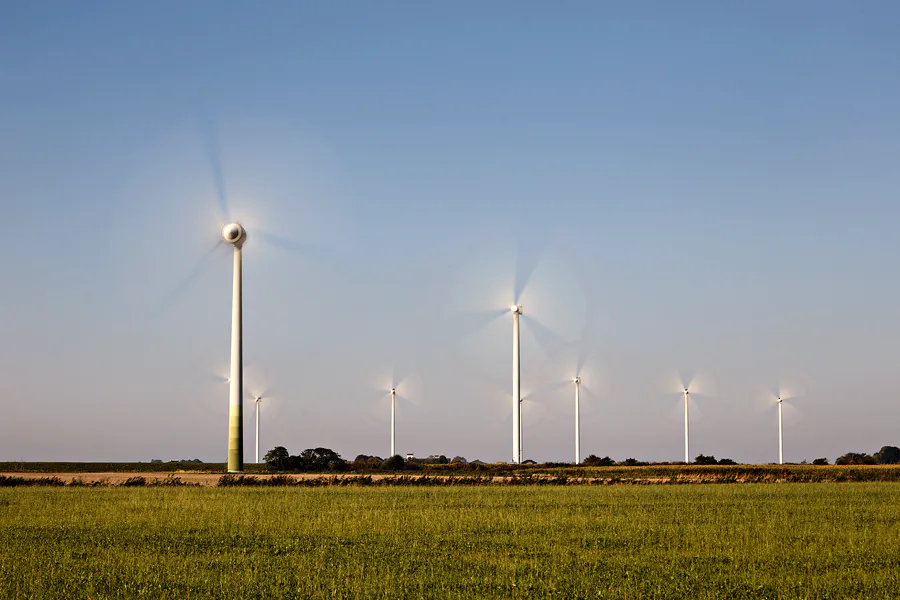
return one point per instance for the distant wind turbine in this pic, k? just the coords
(257, 400)
(690, 388)
(516, 311)
(577, 382)
(780, 396)
(393, 421)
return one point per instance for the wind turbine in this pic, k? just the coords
(577, 382)
(687, 431)
(533, 272)
(393, 421)
(516, 311)
(779, 396)
(256, 401)
(780, 433)
(236, 235)
(273, 173)
(691, 387)
(399, 389)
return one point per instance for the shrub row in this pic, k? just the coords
(171, 481)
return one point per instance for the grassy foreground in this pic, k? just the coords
(739, 541)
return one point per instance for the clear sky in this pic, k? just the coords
(709, 187)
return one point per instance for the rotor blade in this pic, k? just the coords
(468, 323)
(546, 389)
(676, 412)
(582, 358)
(181, 288)
(533, 413)
(686, 378)
(213, 156)
(527, 258)
(792, 415)
(295, 246)
(270, 406)
(550, 341)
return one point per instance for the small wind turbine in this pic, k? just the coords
(577, 382)
(393, 421)
(690, 388)
(780, 433)
(780, 395)
(516, 311)
(687, 432)
(399, 390)
(257, 400)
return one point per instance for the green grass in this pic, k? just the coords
(704, 541)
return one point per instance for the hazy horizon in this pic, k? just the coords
(698, 188)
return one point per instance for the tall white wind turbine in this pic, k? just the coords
(272, 174)
(516, 311)
(687, 430)
(236, 235)
(784, 397)
(691, 388)
(577, 382)
(532, 273)
(400, 389)
(257, 400)
(393, 421)
(780, 433)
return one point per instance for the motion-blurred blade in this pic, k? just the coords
(295, 246)
(676, 412)
(528, 254)
(186, 282)
(556, 295)
(467, 323)
(549, 341)
(697, 384)
(792, 415)
(209, 132)
(546, 390)
(582, 359)
(533, 413)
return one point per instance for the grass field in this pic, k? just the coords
(839, 540)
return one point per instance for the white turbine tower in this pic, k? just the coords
(577, 382)
(780, 433)
(516, 311)
(393, 420)
(784, 396)
(687, 433)
(257, 400)
(236, 235)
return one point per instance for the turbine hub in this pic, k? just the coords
(577, 380)
(234, 234)
(516, 309)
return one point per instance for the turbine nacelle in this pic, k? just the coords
(577, 380)
(516, 309)
(234, 234)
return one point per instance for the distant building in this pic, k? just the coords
(410, 457)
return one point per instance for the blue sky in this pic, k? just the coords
(704, 186)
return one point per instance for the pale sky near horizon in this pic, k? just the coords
(706, 187)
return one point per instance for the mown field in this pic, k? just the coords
(837, 540)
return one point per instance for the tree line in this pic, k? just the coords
(326, 459)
